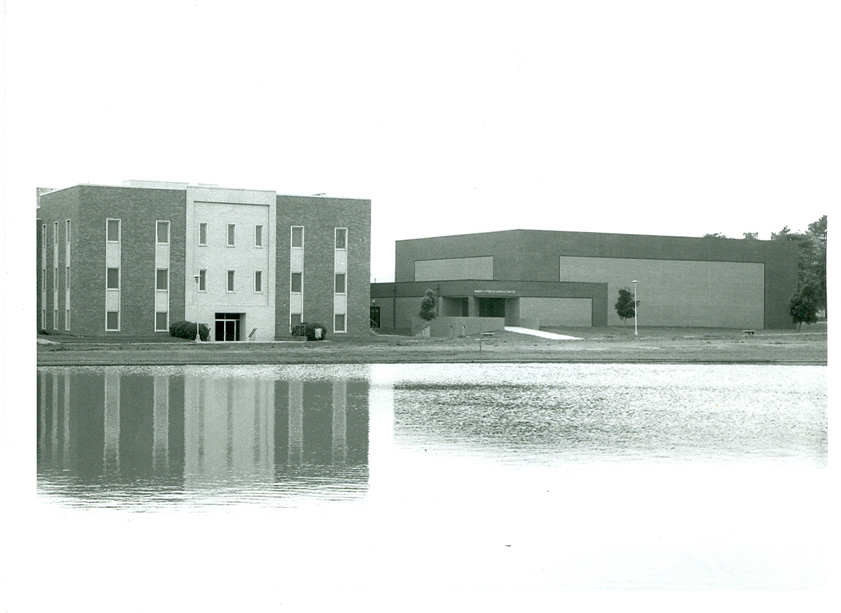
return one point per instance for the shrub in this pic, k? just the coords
(309, 330)
(427, 309)
(187, 329)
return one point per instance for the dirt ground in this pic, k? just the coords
(606, 345)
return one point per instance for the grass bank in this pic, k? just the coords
(599, 345)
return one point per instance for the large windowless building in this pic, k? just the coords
(131, 259)
(541, 278)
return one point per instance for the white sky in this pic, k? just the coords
(671, 118)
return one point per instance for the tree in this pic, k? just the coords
(811, 261)
(751, 236)
(427, 310)
(625, 306)
(714, 235)
(804, 305)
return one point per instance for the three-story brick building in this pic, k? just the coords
(131, 259)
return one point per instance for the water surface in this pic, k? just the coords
(462, 477)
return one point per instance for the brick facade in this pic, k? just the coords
(138, 208)
(320, 217)
(683, 281)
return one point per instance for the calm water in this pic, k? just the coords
(464, 477)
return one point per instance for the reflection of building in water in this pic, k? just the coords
(228, 426)
(118, 426)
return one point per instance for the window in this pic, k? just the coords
(162, 279)
(341, 238)
(44, 244)
(55, 233)
(163, 232)
(112, 233)
(203, 234)
(340, 283)
(297, 236)
(231, 280)
(55, 279)
(161, 321)
(203, 280)
(339, 322)
(112, 320)
(258, 281)
(112, 278)
(297, 283)
(67, 319)
(44, 280)
(43, 319)
(55, 319)
(258, 235)
(67, 278)
(67, 231)
(294, 319)
(232, 235)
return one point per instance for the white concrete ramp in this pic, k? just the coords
(541, 334)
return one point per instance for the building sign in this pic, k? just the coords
(495, 292)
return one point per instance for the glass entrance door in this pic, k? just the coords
(228, 326)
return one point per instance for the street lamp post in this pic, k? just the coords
(636, 333)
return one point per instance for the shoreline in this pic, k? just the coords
(603, 346)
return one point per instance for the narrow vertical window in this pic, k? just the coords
(203, 280)
(55, 319)
(294, 320)
(55, 233)
(162, 279)
(162, 228)
(258, 235)
(297, 236)
(112, 278)
(55, 279)
(67, 319)
(341, 238)
(339, 322)
(231, 280)
(203, 234)
(161, 321)
(67, 278)
(258, 281)
(67, 231)
(232, 235)
(296, 283)
(113, 231)
(112, 320)
(340, 283)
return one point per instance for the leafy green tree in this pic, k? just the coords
(750, 236)
(811, 262)
(714, 235)
(625, 306)
(804, 305)
(427, 309)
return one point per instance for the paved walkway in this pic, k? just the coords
(551, 335)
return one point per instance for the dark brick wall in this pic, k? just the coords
(138, 209)
(320, 216)
(88, 207)
(533, 255)
(57, 207)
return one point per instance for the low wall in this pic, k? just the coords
(448, 327)
(532, 323)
